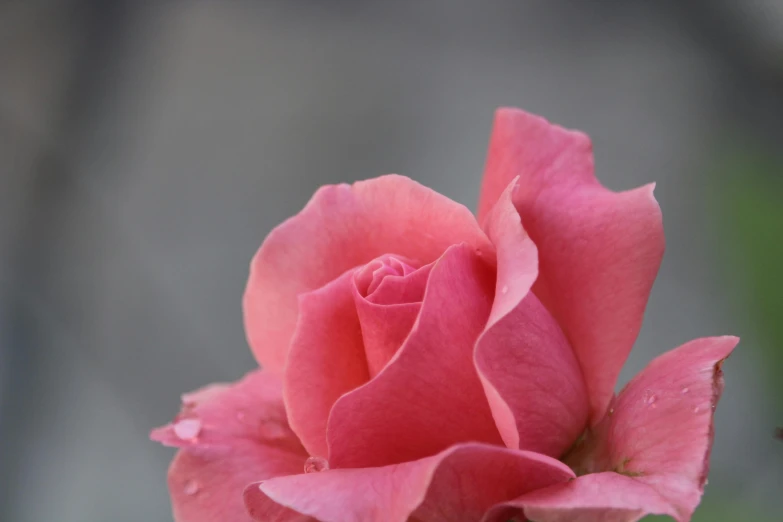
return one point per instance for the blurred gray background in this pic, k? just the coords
(147, 148)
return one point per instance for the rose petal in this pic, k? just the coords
(599, 250)
(429, 396)
(532, 379)
(600, 497)
(242, 437)
(457, 485)
(206, 486)
(326, 360)
(371, 275)
(660, 427)
(340, 228)
(340, 337)
(517, 255)
(387, 316)
(398, 289)
(220, 414)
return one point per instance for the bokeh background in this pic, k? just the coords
(146, 149)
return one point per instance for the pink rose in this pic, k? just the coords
(421, 364)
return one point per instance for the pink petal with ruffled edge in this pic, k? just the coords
(233, 435)
(220, 414)
(340, 228)
(532, 379)
(599, 250)
(662, 420)
(457, 485)
(650, 454)
(429, 396)
(661, 425)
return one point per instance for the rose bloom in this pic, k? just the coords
(424, 364)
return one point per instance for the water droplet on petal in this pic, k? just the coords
(651, 398)
(696, 409)
(504, 290)
(685, 390)
(191, 487)
(315, 465)
(187, 429)
(611, 411)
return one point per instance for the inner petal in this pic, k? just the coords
(388, 308)
(370, 276)
(429, 393)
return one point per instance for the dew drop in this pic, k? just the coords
(685, 390)
(696, 409)
(611, 411)
(315, 465)
(651, 398)
(504, 290)
(187, 429)
(191, 487)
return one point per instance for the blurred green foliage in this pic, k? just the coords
(746, 199)
(720, 512)
(749, 207)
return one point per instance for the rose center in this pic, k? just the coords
(370, 277)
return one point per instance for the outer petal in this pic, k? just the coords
(219, 415)
(599, 251)
(601, 497)
(429, 396)
(340, 228)
(528, 369)
(457, 485)
(206, 486)
(242, 437)
(660, 428)
(326, 360)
